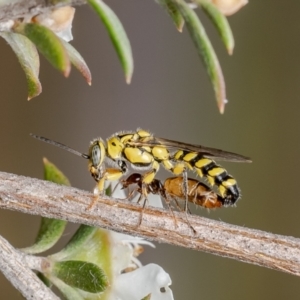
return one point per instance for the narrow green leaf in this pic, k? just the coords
(49, 233)
(53, 174)
(48, 43)
(220, 21)
(78, 62)
(173, 12)
(81, 236)
(117, 34)
(28, 58)
(206, 52)
(82, 275)
(50, 230)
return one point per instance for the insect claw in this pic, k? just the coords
(188, 222)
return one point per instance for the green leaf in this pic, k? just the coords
(49, 233)
(206, 52)
(28, 58)
(220, 21)
(173, 12)
(81, 236)
(117, 34)
(53, 174)
(82, 275)
(50, 230)
(91, 244)
(48, 43)
(78, 62)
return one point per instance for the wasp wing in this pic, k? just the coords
(211, 153)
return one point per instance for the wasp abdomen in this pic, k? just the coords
(215, 174)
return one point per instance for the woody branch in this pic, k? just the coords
(50, 200)
(14, 10)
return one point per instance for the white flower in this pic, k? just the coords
(131, 280)
(135, 285)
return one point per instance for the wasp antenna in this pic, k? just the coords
(60, 145)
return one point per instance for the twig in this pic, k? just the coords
(14, 10)
(16, 266)
(46, 199)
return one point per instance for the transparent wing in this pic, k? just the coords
(205, 151)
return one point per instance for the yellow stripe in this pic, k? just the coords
(178, 154)
(216, 171)
(126, 138)
(189, 166)
(229, 182)
(178, 168)
(222, 190)
(143, 133)
(137, 156)
(167, 164)
(148, 177)
(190, 156)
(211, 180)
(202, 162)
(199, 172)
(160, 153)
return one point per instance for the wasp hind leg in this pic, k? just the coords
(168, 199)
(181, 169)
(185, 190)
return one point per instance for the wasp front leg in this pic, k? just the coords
(102, 176)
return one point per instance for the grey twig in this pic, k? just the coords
(16, 266)
(19, 9)
(46, 199)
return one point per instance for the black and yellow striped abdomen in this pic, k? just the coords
(215, 174)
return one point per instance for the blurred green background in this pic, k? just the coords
(171, 95)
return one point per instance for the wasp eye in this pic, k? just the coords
(96, 155)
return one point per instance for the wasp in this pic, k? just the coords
(143, 151)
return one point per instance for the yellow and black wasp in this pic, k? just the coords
(143, 151)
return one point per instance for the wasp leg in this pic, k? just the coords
(186, 196)
(144, 196)
(149, 176)
(115, 188)
(131, 194)
(185, 189)
(168, 200)
(108, 174)
(179, 208)
(133, 179)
